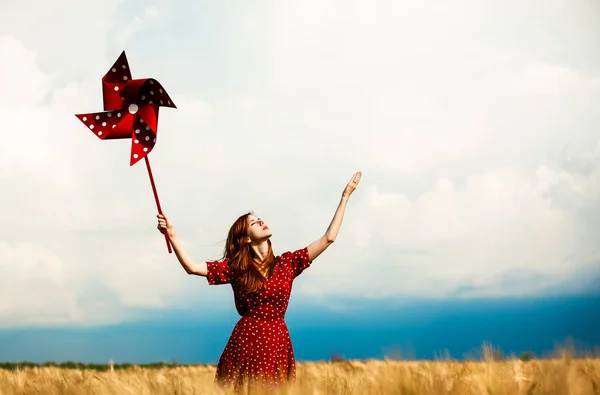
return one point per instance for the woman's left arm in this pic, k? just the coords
(317, 247)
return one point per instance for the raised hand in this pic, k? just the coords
(351, 187)
(164, 224)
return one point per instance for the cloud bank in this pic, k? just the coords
(474, 125)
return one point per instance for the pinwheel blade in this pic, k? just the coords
(113, 82)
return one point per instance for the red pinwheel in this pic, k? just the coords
(131, 111)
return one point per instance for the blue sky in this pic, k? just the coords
(475, 125)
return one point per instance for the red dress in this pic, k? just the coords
(260, 348)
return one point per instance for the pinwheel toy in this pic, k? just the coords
(130, 111)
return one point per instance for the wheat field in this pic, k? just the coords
(377, 377)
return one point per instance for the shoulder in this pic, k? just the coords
(222, 264)
(294, 255)
(283, 258)
(218, 272)
(286, 256)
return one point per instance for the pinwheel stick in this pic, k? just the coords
(156, 198)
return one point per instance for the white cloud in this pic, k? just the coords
(481, 158)
(34, 285)
(129, 24)
(69, 36)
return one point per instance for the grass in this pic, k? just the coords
(562, 375)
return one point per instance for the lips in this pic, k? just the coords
(265, 227)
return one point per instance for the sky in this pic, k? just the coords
(475, 125)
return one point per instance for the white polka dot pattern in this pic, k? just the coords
(260, 348)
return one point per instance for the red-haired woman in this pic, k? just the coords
(259, 350)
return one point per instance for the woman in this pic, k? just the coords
(259, 350)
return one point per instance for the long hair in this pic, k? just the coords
(242, 259)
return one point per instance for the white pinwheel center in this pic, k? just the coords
(133, 108)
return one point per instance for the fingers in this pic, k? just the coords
(163, 222)
(162, 217)
(352, 184)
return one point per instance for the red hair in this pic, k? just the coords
(242, 260)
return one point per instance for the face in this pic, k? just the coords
(258, 231)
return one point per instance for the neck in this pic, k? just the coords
(260, 250)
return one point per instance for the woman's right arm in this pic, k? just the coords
(186, 261)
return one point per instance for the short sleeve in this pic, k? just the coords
(300, 261)
(218, 272)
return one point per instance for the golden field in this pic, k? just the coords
(549, 376)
